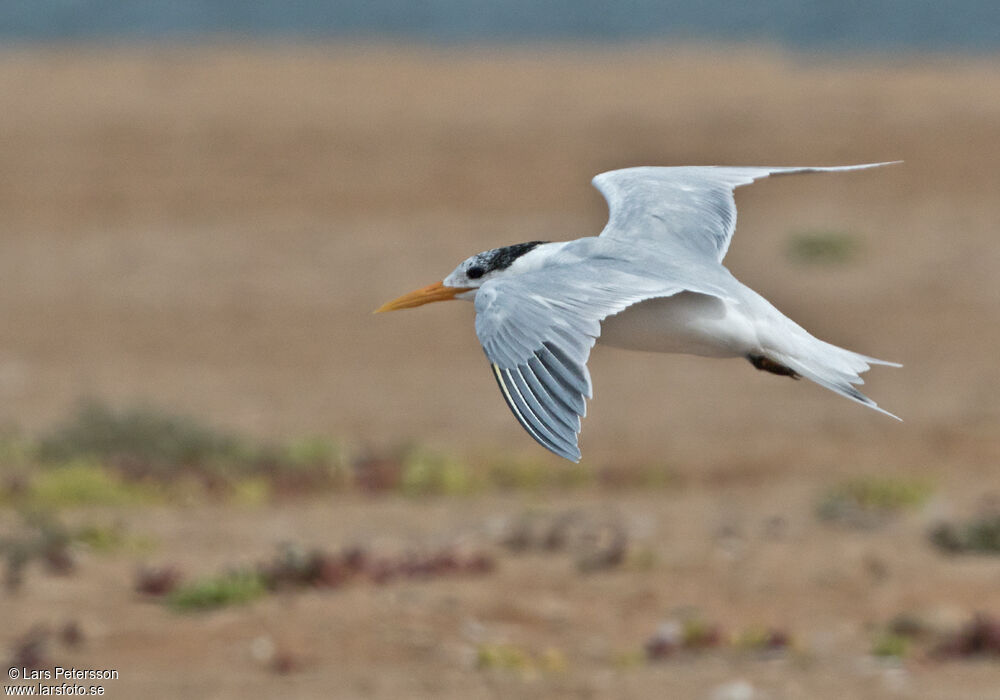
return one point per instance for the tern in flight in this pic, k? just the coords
(652, 280)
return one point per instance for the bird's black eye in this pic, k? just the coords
(475, 272)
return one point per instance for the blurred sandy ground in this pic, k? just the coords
(208, 229)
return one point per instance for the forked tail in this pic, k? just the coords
(832, 367)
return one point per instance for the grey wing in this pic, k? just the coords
(690, 207)
(537, 331)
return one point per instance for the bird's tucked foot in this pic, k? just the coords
(766, 364)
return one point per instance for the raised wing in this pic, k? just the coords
(690, 207)
(537, 330)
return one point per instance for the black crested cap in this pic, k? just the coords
(502, 258)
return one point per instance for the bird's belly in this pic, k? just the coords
(690, 323)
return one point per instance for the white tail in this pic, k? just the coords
(832, 367)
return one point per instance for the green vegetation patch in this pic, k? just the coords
(109, 456)
(153, 437)
(425, 472)
(117, 456)
(109, 539)
(690, 633)
(980, 535)
(45, 538)
(823, 247)
(512, 474)
(889, 644)
(231, 588)
(84, 483)
(511, 657)
(870, 501)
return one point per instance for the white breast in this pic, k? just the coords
(690, 323)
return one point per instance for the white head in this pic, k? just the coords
(465, 279)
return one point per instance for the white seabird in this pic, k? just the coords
(652, 280)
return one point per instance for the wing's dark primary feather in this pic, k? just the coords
(551, 431)
(537, 331)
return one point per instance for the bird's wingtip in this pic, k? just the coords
(863, 166)
(883, 411)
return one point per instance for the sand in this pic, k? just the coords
(209, 228)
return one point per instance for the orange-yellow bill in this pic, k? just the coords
(425, 295)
